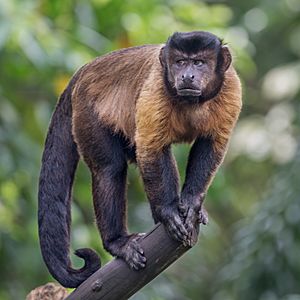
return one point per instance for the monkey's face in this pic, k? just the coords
(194, 64)
(191, 75)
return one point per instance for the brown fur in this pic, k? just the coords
(137, 104)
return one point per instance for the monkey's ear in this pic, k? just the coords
(162, 56)
(226, 58)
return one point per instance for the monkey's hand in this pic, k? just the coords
(187, 212)
(169, 216)
(128, 248)
(192, 212)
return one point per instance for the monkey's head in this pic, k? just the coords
(194, 65)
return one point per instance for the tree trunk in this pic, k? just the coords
(116, 281)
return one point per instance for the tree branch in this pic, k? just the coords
(116, 281)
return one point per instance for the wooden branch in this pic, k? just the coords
(116, 281)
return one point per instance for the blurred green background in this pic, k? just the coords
(251, 248)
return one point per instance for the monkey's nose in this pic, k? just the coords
(187, 78)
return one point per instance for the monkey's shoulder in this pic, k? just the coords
(112, 83)
(126, 57)
(119, 71)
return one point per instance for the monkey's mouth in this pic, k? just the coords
(189, 92)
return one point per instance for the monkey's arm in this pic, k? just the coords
(203, 162)
(161, 183)
(204, 159)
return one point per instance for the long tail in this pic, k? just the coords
(59, 162)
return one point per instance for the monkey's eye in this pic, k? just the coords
(198, 62)
(179, 62)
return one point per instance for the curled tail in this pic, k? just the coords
(59, 162)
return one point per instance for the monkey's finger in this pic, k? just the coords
(174, 232)
(180, 226)
(177, 236)
(203, 216)
(189, 222)
(178, 223)
(182, 208)
(139, 266)
(189, 215)
(139, 261)
(135, 260)
(140, 258)
(189, 225)
(189, 239)
(185, 239)
(136, 265)
(171, 226)
(182, 233)
(138, 248)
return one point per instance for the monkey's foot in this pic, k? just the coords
(134, 253)
(128, 248)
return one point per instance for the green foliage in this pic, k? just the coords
(250, 248)
(265, 250)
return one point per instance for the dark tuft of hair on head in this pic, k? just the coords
(192, 42)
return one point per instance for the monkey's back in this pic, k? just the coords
(110, 85)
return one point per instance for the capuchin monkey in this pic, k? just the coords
(127, 106)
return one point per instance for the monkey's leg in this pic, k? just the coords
(203, 162)
(161, 182)
(104, 154)
(110, 208)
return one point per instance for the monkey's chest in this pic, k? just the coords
(183, 135)
(187, 125)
